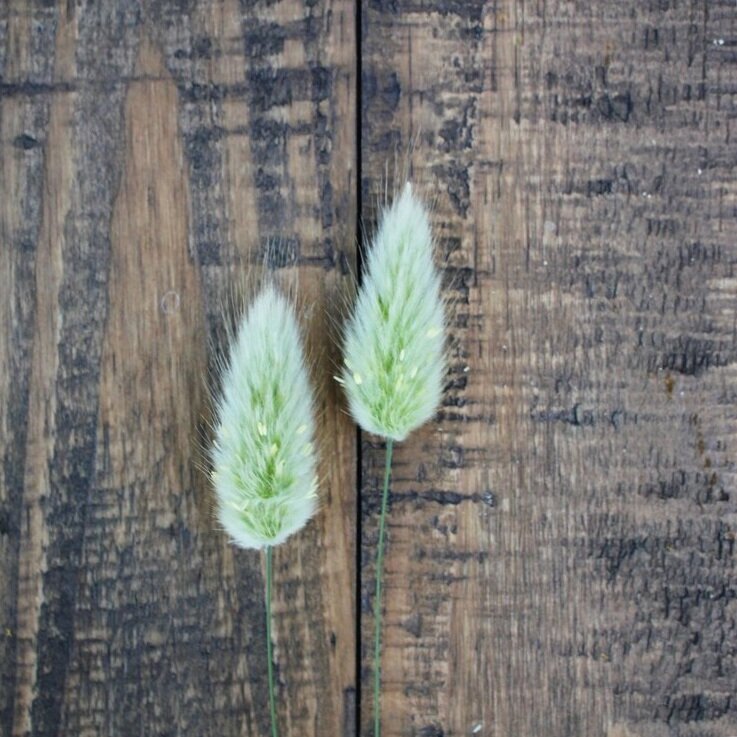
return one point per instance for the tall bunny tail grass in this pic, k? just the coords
(263, 458)
(394, 342)
(394, 353)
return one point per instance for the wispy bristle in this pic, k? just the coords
(394, 343)
(263, 458)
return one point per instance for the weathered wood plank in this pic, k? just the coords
(561, 548)
(27, 53)
(148, 151)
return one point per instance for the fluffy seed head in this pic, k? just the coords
(264, 467)
(394, 343)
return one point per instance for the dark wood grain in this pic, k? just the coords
(561, 552)
(562, 538)
(149, 151)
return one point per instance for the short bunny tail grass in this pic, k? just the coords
(394, 347)
(235, 288)
(263, 457)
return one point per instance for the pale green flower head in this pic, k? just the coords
(394, 345)
(264, 465)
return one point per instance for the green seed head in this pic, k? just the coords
(264, 466)
(394, 343)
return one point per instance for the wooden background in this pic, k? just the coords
(562, 539)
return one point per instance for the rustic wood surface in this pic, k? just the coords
(562, 543)
(149, 150)
(561, 556)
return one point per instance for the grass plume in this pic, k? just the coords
(394, 344)
(394, 352)
(263, 454)
(264, 466)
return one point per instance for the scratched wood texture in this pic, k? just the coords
(561, 553)
(148, 152)
(561, 545)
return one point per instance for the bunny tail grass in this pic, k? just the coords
(264, 466)
(263, 458)
(394, 353)
(394, 343)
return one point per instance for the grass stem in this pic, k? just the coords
(269, 655)
(379, 582)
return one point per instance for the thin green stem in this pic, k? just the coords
(272, 702)
(377, 597)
